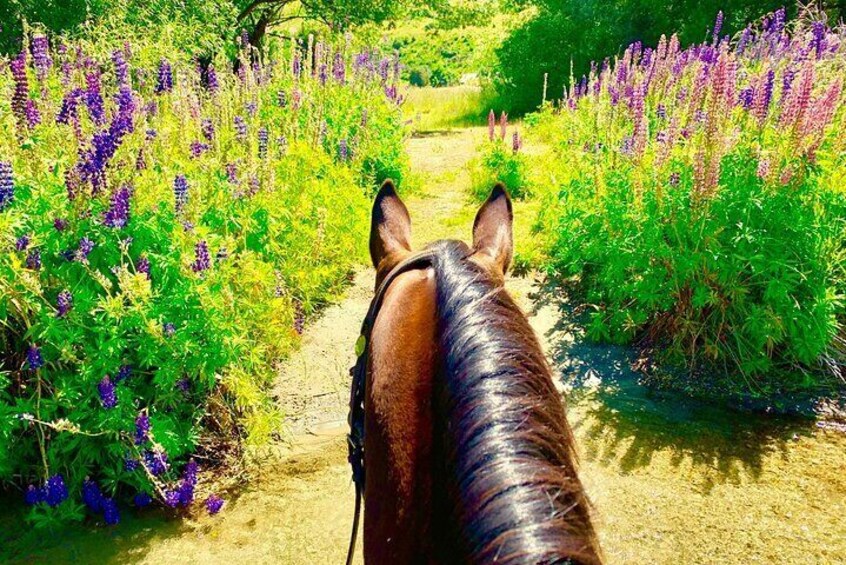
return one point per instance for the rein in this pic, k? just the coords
(355, 438)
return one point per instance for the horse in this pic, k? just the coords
(459, 441)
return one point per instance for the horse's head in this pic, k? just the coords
(390, 233)
(467, 450)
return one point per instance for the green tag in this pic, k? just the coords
(360, 344)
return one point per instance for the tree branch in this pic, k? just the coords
(245, 13)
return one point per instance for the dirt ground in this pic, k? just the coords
(672, 482)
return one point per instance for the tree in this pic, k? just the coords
(257, 16)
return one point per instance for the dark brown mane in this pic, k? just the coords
(512, 494)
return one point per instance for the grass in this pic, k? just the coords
(431, 109)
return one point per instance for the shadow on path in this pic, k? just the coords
(622, 422)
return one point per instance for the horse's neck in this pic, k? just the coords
(398, 420)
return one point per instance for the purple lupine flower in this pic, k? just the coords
(142, 428)
(251, 108)
(131, 464)
(186, 493)
(33, 260)
(20, 96)
(232, 173)
(339, 69)
(343, 150)
(41, 59)
(190, 472)
(60, 224)
(674, 179)
(126, 108)
(516, 142)
(282, 99)
(169, 329)
(86, 245)
(22, 243)
(180, 192)
(121, 68)
(214, 504)
(171, 498)
(124, 372)
(262, 142)
(142, 500)
(92, 496)
(202, 259)
(55, 491)
(211, 79)
(747, 97)
(818, 32)
(296, 66)
(143, 266)
(254, 184)
(323, 73)
(183, 385)
(777, 25)
(156, 462)
(117, 216)
(92, 167)
(207, 128)
(93, 98)
(240, 128)
(34, 495)
(7, 185)
(111, 514)
(106, 390)
(164, 81)
(64, 303)
(197, 149)
(745, 39)
(661, 112)
(282, 142)
(763, 95)
(299, 317)
(72, 182)
(33, 115)
(718, 26)
(787, 83)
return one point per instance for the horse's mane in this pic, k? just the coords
(512, 494)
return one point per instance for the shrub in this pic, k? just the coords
(501, 160)
(699, 201)
(164, 232)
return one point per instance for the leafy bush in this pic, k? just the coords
(700, 198)
(163, 234)
(500, 161)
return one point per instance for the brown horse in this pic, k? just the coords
(467, 451)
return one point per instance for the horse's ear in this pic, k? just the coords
(390, 226)
(492, 235)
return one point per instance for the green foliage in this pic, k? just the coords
(744, 282)
(283, 226)
(566, 35)
(499, 162)
(189, 27)
(695, 199)
(434, 55)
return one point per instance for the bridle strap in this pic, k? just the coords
(355, 438)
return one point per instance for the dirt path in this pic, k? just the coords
(672, 482)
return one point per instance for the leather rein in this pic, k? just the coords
(355, 438)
